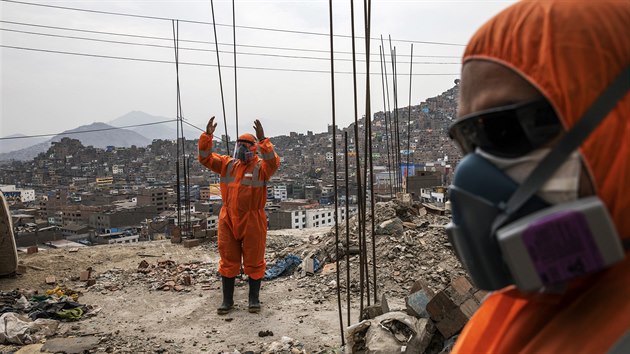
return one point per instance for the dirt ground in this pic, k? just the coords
(136, 316)
(159, 297)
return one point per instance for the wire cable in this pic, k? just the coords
(218, 24)
(87, 131)
(206, 42)
(200, 49)
(194, 64)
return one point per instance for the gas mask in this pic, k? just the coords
(244, 151)
(507, 228)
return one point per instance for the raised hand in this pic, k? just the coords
(260, 133)
(211, 126)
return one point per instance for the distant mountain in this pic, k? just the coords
(101, 139)
(18, 143)
(157, 131)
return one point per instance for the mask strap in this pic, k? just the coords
(569, 143)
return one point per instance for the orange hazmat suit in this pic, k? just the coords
(570, 51)
(242, 221)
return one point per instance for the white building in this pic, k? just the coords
(117, 169)
(280, 192)
(24, 195)
(329, 156)
(321, 217)
(431, 195)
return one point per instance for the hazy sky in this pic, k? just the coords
(47, 92)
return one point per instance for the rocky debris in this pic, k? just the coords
(399, 332)
(430, 324)
(284, 345)
(165, 275)
(420, 251)
(265, 333)
(414, 262)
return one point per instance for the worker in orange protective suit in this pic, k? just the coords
(242, 220)
(558, 58)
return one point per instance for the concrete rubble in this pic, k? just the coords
(416, 267)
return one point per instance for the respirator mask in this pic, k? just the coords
(515, 220)
(245, 150)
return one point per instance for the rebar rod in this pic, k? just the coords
(334, 146)
(216, 42)
(409, 122)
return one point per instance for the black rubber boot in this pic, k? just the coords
(227, 285)
(254, 293)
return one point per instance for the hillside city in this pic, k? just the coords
(89, 195)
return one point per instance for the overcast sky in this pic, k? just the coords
(48, 92)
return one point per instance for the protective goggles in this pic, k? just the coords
(507, 131)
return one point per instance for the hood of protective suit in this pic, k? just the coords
(571, 61)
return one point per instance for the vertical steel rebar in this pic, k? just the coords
(356, 148)
(385, 112)
(347, 177)
(368, 141)
(334, 144)
(216, 42)
(396, 122)
(179, 199)
(390, 137)
(235, 78)
(409, 121)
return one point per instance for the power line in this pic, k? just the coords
(194, 64)
(207, 42)
(198, 49)
(219, 24)
(87, 131)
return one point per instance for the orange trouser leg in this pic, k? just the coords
(254, 248)
(229, 248)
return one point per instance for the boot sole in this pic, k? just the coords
(224, 312)
(254, 309)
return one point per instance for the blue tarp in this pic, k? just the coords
(286, 266)
(289, 262)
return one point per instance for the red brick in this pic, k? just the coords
(461, 285)
(460, 290)
(469, 307)
(32, 249)
(449, 317)
(189, 243)
(452, 323)
(440, 305)
(85, 275)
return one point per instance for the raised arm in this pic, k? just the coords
(270, 160)
(207, 157)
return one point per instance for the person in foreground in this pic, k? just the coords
(242, 220)
(541, 199)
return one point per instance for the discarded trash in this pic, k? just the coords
(17, 329)
(284, 266)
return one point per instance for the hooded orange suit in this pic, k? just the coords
(570, 51)
(242, 220)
